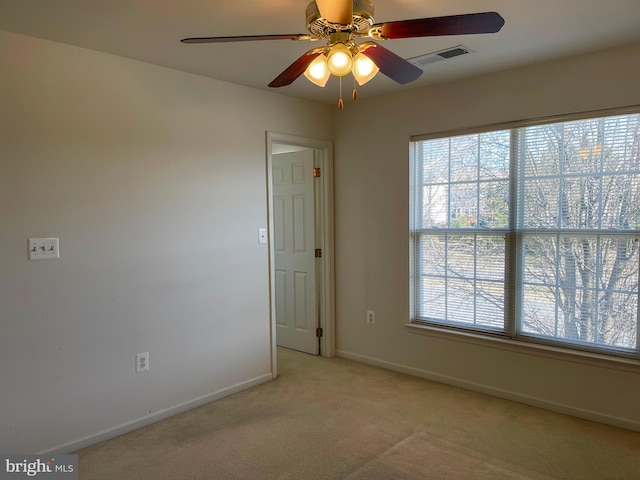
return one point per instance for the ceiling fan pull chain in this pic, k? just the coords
(340, 102)
(355, 90)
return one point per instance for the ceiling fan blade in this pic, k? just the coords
(336, 11)
(296, 69)
(248, 38)
(472, 23)
(392, 65)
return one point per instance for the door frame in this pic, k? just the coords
(324, 222)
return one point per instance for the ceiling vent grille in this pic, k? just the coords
(424, 60)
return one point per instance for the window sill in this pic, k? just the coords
(546, 351)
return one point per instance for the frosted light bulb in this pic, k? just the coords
(339, 60)
(364, 69)
(317, 71)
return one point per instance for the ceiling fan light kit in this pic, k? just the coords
(340, 22)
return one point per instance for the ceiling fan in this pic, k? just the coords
(340, 22)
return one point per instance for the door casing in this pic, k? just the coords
(324, 211)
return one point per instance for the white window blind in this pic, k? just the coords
(531, 232)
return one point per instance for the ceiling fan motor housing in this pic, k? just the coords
(362, 20)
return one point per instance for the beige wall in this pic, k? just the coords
(371, 172)
(155, 182)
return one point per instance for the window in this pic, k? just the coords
(530, 233)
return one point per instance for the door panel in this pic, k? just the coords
(302, 321)
(281, 295)
(300, 224)
(294, 246)
(279, 223)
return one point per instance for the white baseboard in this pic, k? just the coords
(156, 417)
(496, 392)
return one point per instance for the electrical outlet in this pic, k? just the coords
(142, 362)
(371, 317)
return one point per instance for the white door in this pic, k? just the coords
(294, 248)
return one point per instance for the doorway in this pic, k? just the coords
(300, 203)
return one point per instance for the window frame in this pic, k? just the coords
(511, 336)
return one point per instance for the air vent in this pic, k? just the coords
(424, 60)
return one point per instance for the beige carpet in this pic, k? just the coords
(420, 456)
(338, 419)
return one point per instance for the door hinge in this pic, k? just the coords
(316, 172)
(319, 332)
(318, 253)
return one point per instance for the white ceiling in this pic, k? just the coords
(150, 30)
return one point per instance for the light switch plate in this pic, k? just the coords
(43, 248)
(262, 235)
